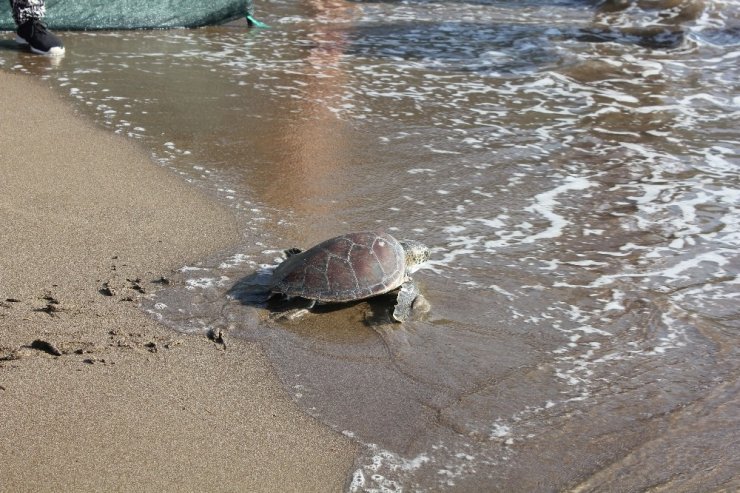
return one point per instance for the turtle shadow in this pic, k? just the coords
(278, 303)
(252, 290)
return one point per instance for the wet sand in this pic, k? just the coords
(94, 394)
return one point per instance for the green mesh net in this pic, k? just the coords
(133, 14)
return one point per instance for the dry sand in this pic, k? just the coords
(94, 395)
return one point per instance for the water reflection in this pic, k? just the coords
(314, 146)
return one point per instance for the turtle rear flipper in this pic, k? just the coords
(406, 296)
(305, 306)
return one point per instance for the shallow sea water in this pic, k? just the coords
(574, 168)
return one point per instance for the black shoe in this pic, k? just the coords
(35, 34)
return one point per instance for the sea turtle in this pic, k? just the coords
(352, 267)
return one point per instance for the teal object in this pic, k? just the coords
(252, 22)
(133, 14)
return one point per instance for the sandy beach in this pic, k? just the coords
(94, 394)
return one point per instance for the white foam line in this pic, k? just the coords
(383, 459)
(501, 290)
(671, 273)
(205, 282)
(545, 203)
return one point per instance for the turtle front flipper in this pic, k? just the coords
(406, 296)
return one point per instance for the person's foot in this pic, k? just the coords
(37, 36)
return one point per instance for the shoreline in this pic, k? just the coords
(94, 394)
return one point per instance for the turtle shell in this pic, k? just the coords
(349, 267)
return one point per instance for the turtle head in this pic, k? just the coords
(416, 254)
